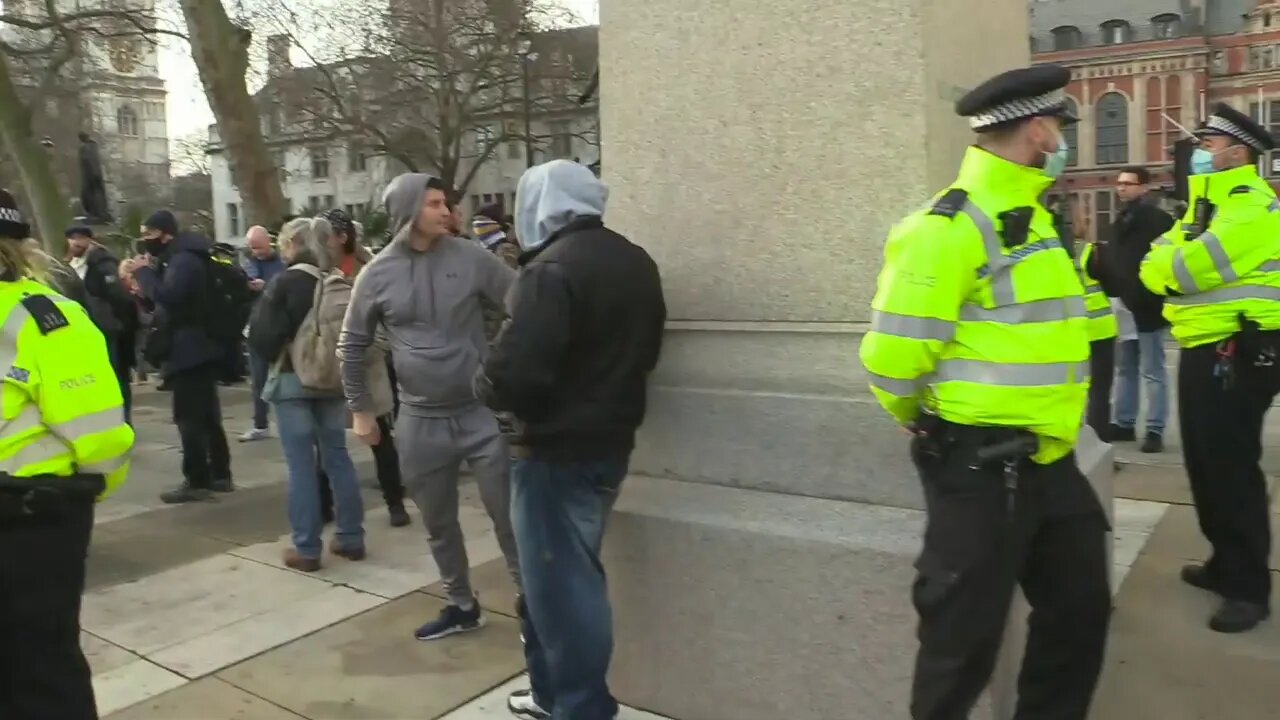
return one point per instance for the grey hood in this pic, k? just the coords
(403, 201)
(552, 195)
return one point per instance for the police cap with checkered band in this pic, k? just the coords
(13, 225)
(1017, 95)
(1226, 120)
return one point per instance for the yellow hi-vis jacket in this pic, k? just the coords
(1102, 321)
(1232, 268)
(980, 333)
(61, 407)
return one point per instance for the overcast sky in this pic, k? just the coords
(189, 111)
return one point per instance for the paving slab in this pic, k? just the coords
(493, 705)
(206, 699)
(399, 559)
(371, 667)
(191, 601)
(1162, 483)
(1177, 539)
(132, 683)
(125, 551)
(1163, 662)
(102, 655)
(1134, 522)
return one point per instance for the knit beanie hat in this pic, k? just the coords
(12, 225)
(341, 222)
(162, 220)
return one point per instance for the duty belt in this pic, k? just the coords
(45, 495)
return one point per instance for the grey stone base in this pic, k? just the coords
(741, 604)
(732, 603)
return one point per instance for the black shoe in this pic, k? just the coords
(399, 516)
(1153, 443)
(222, 485)
(1198, 576)
(452, 620)
(1237, 616)
(1121, 434)
(184, 493)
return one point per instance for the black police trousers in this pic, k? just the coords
(43, 673)
(1102, 370)
(1049, 535)
(1222, 448)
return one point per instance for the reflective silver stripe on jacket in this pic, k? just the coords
(1100, 313)
(1217, 253)
(12, 326)
(44, 449)
(106, 467)
(1227, 294)
(1001, 283)
(894, 386)
(910, 326)
(76, 428)
(983, 372)
(1052, 310)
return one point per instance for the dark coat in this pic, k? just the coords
(111, 305)
(587, 316)
(179, 291)
(1138, 225)
(277, 316)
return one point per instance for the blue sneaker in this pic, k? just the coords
(452, 620)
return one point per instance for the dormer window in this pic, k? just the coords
(1067, 37)
(1168, 25)
(1115, 32)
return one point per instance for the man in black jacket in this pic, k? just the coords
(178, 284)
(571, 365)
(1140, 222)
(111, 306)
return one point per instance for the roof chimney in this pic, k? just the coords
(278, 56)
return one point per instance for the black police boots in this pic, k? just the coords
(1237, 616)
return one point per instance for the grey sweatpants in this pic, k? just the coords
(431, 454)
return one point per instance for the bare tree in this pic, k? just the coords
(42, 48)
(189, 154)
(220, 48)
(436, 85)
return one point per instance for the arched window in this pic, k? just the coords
(1112, 122)
(1115, 32)
(126, 121)
(1167, 25)
(1069, 132)
(1067, 37)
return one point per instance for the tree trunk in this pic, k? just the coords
(221, 53)
(49, 208)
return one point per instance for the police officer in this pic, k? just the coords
(63, 444)
(980, 347)
(1103, 329)
(1220, 268)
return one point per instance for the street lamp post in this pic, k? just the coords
(526, 56)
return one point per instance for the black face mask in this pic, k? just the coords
(155, 246)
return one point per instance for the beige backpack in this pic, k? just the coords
(314, 349)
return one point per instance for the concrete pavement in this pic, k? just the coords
(190, 616)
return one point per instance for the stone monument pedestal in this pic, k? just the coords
(760, 561)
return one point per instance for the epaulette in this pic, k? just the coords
(1240, 190)
(46, 313)
(951, 203)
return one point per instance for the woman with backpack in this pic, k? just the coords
(296, 325)
(350, 257)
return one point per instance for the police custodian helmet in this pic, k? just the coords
(1232, 123)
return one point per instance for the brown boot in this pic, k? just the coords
(295, 561)
(356, 554)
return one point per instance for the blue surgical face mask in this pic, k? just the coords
(1055, 163)
(1202, 162)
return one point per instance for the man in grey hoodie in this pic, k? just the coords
(425, 289)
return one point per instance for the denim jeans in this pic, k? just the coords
(258, 370)
(1143, 356)
(303, 425)
(558, 512)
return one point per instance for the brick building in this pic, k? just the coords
(1142, 68)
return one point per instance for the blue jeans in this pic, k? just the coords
(1146, 356)
(304, 425)
(258, 370)
(558, 512)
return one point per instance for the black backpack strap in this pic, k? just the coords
(951, 203)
